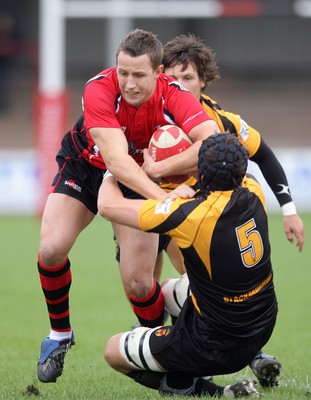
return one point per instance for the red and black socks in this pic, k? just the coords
(55, 283)
(150, 309)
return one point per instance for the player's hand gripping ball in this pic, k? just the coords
(168, 141)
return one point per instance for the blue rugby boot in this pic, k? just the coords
(52, 355)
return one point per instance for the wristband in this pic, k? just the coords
(107, 174)
(289, 209)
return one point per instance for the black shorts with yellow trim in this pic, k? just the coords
(182, 347)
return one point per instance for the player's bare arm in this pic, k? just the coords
(114, 150)
(115, 207)
(185, 162)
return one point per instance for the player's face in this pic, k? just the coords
(188, 78)
(137, 79)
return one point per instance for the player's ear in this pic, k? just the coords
(159, 70)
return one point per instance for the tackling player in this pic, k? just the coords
(223, 235)
(193, 65)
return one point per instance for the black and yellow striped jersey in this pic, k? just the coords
(227, 122)
(224, 240)
(258, 150)
(233, 123)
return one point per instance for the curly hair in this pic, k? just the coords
(222, 162)
(190, 49)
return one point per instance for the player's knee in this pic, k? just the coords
(138, 288)
(140, 292)
(109, 351)
(113, 356)
(51, 255)
(134, 349)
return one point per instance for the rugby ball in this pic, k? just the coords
(168, 141)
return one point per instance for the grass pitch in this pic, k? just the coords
(99, 309)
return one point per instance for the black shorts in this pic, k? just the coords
(129, 193)
(76, 177)
(163, 243)
(185, 347)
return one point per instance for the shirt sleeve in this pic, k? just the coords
(247, 135)
(233, 123)
(187, 110)
(99, 105)
(176, 218)
(263, 156)
(153, 215)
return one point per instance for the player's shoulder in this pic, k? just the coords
(210, 103)
(106, 76)
(227, 121)
(205, 99)
(252, 184)
(104, 84)
(171, 84)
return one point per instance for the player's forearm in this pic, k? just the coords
(187, 161)
(122, 166)
(128, 172)
(114, 207)
(184, 163)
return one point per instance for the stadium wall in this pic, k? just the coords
(19, 180)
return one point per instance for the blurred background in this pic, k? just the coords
(48, 52)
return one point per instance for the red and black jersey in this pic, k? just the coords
(224, 240)
(104, 107)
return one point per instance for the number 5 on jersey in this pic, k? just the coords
(250, 243)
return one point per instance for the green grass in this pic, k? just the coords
(99, 309)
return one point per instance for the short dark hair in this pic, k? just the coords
(222, 162)
(190, 49)
(139, 42)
